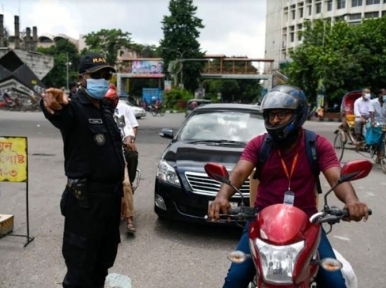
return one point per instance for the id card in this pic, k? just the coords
(289, 198)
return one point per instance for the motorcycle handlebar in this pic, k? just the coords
(238, 213)
(334, 215)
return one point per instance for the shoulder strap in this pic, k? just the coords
(310, 138)
(265, 150)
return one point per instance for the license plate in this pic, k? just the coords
(233, 204)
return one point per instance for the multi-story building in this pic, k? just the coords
(285, 18)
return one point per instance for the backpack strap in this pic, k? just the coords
(265, 150)
(310, 138)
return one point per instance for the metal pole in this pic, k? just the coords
(68, 88)
(181, 75)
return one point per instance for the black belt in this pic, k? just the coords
(96, 187)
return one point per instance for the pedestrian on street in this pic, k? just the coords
(128, 137)
(94, 165)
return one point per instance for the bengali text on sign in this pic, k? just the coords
(13, 159)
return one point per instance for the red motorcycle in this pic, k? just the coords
(283, 240)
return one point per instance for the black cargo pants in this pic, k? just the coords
(91, 235)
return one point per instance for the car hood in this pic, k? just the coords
(193, 157)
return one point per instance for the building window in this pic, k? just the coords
(286, 17)
(301, 12)
(292, 36)
(318, 7)
(341, 4)
(309, 10)
(356, 3)
(371, 2)
(371, 15)
(329, 5)
(357, 16)
(293, 14)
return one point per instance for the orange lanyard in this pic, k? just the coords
(294, 162)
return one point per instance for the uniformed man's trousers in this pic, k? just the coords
(91, 235)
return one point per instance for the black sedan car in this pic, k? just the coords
(211, 133)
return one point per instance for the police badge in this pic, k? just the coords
(100, 139)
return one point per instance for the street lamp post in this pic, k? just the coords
(67, 72)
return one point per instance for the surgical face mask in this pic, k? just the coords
(97, 88)
(368, 96)
(384, 98)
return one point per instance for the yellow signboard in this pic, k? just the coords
(13, 159)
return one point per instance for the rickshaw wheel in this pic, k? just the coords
(339, 145)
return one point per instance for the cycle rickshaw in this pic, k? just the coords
(345, 134)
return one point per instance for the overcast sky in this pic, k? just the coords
(232, 27)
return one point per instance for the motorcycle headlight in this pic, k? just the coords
(166, 173)
(278, 262)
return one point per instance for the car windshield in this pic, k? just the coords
(222, 126)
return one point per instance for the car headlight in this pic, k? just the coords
(278, 262)
(166, 173)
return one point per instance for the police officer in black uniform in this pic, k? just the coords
(94, 165)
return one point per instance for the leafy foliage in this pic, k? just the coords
(108, 42)
(57, 77)
(181, 31)
(345, 57)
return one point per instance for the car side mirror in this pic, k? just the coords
(167, 133)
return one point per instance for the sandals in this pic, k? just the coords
(131, 227)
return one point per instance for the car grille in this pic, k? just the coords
(200, 183)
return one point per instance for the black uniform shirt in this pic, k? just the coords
(92, 142)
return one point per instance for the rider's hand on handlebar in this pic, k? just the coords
(357, 210)
(220, 204)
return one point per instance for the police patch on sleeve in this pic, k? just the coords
(100, 139)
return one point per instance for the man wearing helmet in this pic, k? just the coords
(286, 169)
(128, 136)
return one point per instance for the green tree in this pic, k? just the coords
(181, 31)
(108, 42)
(57, 77)
(345, 57)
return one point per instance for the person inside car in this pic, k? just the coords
(287, 168)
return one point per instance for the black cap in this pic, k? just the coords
(93, 62)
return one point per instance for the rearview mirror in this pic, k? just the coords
(167, 133)
(354, 170)
(217, 172)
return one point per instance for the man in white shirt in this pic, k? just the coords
(362, 107)
(128, 136)
(132, 153)
(376, 114)
(376, 108)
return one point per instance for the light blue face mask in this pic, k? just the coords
(97, 88)
(384, 98)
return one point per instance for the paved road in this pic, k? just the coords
(161, 254)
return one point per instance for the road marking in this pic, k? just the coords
(370, 194)
(342, 238)
(115, 280)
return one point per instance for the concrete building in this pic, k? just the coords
(21, 67)
(285, 18)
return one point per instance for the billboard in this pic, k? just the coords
(147, 69)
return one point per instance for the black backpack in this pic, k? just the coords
(310, 138)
